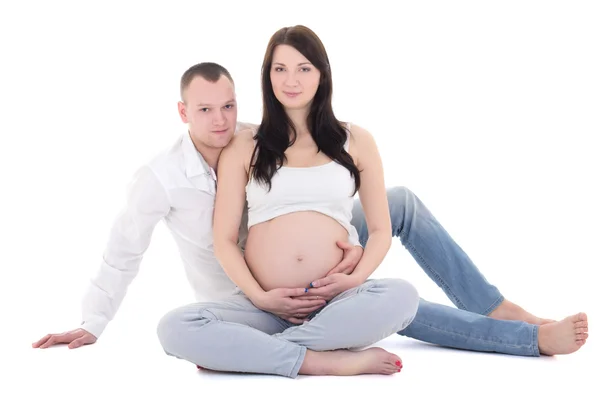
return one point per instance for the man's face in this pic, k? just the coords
(210, 110)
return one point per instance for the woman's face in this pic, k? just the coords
(295, 80)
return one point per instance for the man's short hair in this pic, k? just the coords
(210, 71)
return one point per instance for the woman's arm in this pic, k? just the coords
(373, 197)
(229, 206)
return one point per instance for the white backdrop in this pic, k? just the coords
(488, 111)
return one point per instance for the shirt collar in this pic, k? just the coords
(195, 164)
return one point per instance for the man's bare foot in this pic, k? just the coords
(563, 337)
(373, 360)
(507, 310)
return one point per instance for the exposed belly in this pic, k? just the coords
(293, 250)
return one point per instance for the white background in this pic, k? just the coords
(488, 111)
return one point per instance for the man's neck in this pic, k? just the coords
(210, 155)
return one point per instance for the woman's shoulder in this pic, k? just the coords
(361, 141)
(241, 146)
(242, 139)
(357, 135)
(356, 131)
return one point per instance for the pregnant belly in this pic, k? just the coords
(293, 250)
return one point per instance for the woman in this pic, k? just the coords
(299, 198)
(299, 174)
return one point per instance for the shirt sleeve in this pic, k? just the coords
(147, 203)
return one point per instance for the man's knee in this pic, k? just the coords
(398, 194)
(401, 201)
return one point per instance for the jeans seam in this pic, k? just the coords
(298, 364)
(438, 278)
(534, 339)
(477, 338)
(494, 305)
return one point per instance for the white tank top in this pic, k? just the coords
(326, 188)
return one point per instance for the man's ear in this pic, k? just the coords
(182, 111)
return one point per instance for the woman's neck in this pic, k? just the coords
(299, 118)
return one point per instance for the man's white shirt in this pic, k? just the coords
(177, 187)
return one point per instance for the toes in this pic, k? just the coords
(579, 330)
(581, 324)
(581, 336)
(394, 360)
(582, 316)
(387, 369)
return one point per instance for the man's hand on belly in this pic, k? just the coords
(288, 304)
(352, 255)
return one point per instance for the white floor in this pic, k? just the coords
(128, 362)
(133, 367)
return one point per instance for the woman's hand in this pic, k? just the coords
(330, 286)
(352, 255)
(289, 304)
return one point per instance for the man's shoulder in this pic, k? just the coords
(168, 163)
(168, 156)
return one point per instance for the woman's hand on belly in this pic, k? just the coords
(330, 286)
(288, 304)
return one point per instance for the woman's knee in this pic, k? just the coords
(402, 300)
(174, 327)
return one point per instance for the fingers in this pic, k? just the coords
(41, 341)
(322, 282)
(79, 342)
(306, 311)
(294, 292)
(293, 305)
(321, 292)
(307, 297)
(344, 245)
(58, 338)
(342, 266)
(348, 270)
(52, 340)
(301, 303)
(297, 321)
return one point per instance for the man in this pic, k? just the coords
(179, 186)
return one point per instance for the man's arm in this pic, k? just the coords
(147, 203)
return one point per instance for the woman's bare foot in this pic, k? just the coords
(563, 337)
(507, 310)
(373, 360)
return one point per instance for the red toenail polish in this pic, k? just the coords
(398, 363)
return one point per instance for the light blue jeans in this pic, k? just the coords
(234, 335)
(443, 260)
